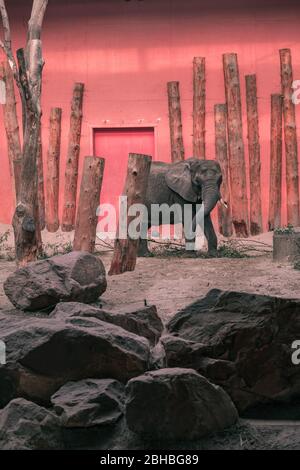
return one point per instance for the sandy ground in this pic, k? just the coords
(173, 282)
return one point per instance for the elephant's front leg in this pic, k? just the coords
(210, 235)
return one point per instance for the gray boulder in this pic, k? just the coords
(241, 342)
(143, 322)
(77, 276)
(173, 404)
(27, 426)
(89, 402)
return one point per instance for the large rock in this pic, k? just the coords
(173, 404)
(143, 322)
(27, 426)
(90, 402)
(241, 342)
(47, 353)
(76, 276)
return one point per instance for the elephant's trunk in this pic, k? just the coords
(210, 197)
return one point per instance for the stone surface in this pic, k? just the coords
(89, 402)
(27, 426)
(47, 353)
(241, 342)
(173, 404)
(143, 322)
(76, 276)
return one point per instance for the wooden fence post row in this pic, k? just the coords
(125, 250)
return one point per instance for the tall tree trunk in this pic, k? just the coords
(290, 138)
(12, 129)
(275, 163)
(224, 214)
(237, 167)
(199, 107)
(87, 218)
(52, 181)
(41, 191)
(125, 251)
(71, 173)
(254, 156)
(175, 122)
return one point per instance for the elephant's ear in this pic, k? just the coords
(178, 178)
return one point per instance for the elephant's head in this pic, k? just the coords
(196, 181)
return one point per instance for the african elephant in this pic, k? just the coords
(192, 181)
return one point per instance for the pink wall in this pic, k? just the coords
(125, 52)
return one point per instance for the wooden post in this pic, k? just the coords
(86, 220)
(71, 173)
(52, 181)
(237, 168)
(41, 193)
(224, 215)
(125, 251)
(254, 156)
(275, 162)
(177, 148)
(290, 138)
(199, 107)
(12, 129)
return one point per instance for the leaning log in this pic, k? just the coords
(224, 214)
(87, 218)
(176, 139)
(290, 138)
(199, 107)
(274, 220)
(237, 167)
(52, 179)
(254, 156)
(71, 172)
(12, 129)
(125, 249)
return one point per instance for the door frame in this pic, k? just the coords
(132, 126)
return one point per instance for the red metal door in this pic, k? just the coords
(115, 145)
